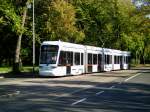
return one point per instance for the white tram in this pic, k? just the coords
(59, 58)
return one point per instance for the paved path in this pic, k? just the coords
(117, 91)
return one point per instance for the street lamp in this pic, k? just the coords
(33, 61)
(33, 34)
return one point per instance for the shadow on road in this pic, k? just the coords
(108, 74)
(142, 69)
(126, 97)
(103, 74)
(19, 75)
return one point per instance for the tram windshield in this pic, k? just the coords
(49, 54)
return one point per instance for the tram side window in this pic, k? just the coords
(81, 58)
(110, 59)
(77, 58)
(94, 58)
(105, 59)
(127, 60)
(115, 60)
(118, 59)
(62, 58)
(99, 58)
(89, 58)
(69, 58)
(65, 58)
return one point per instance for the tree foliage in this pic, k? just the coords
(117, 24)
(57, 21)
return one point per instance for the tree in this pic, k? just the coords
(143, 13)
(14, 15)
(10, 25)
(17, 62)
(56, 20)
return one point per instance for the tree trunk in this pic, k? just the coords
(17, 61)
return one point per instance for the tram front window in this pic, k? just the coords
(48, 54)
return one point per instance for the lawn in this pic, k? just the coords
(5, 69)
(24, 69)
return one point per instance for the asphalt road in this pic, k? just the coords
(117, 91)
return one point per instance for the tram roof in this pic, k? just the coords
(64, 44)
(73, 45)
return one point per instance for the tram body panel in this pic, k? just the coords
(94, 68)
(116, 67)
(107, 59)
(107, 67)
(125, 60)
(61, 58)
(125, 66)
(76, 70)
(52, 70)
(117, 59)
(92, 63)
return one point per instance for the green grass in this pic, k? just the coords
(24, 69)
(5, 69)
(140, 65)
(29, 69)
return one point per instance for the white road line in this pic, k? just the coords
(71, 93)
(1, 77)
(131, 77)
(11, 94)
(120, 82)
(98, 93)
(79, 101)
(111, 87)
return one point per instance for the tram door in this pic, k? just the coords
(69, 62)
(99, 62)
(89, 63)
(68, 69)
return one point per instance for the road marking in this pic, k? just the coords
(1, 77)
(71, 93)
(120, 82)
(111, 87)
(11, 94)
(131, 77)
(98, 93)
(79, 101)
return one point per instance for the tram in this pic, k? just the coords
(59, 58)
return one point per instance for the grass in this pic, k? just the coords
(29, 69)
(24, 69)
(5, 69)
(140, 65)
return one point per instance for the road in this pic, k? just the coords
(116, 91)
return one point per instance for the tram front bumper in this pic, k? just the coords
(46, 73)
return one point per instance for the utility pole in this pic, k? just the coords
(33, 40)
